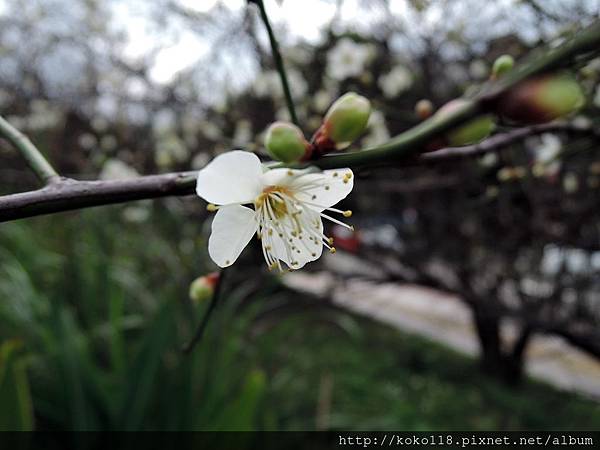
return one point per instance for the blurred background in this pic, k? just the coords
(468, 298)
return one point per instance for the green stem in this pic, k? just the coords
(32, 155)
(278, 61)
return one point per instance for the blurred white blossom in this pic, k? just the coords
(115, 169)
(396, 81)
(268, 84)
(548, 148)
(348, 59)
(322, 99)
(378, 131)
(570, 183)
(87, 141)
(243, 133)
(478, 69)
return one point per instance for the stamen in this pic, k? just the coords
(211, 207)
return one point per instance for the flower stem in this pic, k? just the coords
(34, 158)
(278, 61)
(207, 315)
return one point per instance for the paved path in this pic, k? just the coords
(445, 319)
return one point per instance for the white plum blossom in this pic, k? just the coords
(348, 59)
(549, 149)
(288, 208)
(396, 81)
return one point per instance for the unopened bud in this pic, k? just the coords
(542, 99)
(502, 65)
(424, 109)
(285, 142)
(471, 132)
(203, 288)
(345, 121)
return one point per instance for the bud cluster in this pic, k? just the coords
(344, 122)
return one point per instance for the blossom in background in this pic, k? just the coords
(115, 169)
(378, 131)
(268, 84)
(395, 82)
(289, 206)
(546, 150)
(478, 69)
(348, 59)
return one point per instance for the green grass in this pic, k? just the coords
(99, 310)
(383, 379)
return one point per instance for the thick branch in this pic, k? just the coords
(32, 155)
(66, 194)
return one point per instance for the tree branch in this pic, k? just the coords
(34, 158)
(66, 194)
(63, 194)
(500, 141)
(411, 141)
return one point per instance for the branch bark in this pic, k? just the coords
(66, 194)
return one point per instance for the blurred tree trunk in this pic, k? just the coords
(497, 358)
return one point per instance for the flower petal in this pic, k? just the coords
(232, 229)
(233, 177)
(299, 249)
(324, 189)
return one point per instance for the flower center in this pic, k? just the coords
(270, 196)
(291, 229)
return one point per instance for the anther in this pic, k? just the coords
(332, 250)
(347, 213)
(211, 207)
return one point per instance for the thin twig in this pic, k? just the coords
(501, 141)
(278, 61)
(207, 315)
(36, 161)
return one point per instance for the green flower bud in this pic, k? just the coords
(424, 109)
(285, 142)
(346, 119)
(542, 99)
(471, 132)
(203, 288)
(502, 65)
